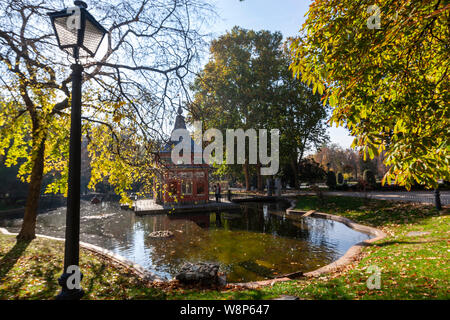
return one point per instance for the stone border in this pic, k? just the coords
(208, 207)
(345, 260)
(140, 271)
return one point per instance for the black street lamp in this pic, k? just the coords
(79, 34)
(437, 198)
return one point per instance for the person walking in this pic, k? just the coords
(217, 192)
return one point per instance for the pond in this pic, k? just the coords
(258, 242)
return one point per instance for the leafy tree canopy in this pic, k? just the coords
(248, 83)
(389, 86)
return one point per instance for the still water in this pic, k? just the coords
(258, 242)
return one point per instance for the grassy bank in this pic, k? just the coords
(412, 267)
(29, 270)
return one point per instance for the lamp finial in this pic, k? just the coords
(81, 4)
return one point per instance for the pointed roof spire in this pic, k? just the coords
(181, 124)
(180, 110)
(179, 120)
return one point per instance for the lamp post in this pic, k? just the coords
(437, 198)
(79, 34)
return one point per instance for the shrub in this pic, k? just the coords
(310, 171)
(340, 178)
(331, 180)
(445, 185)
(369, 178)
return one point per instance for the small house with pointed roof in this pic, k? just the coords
(183, 183)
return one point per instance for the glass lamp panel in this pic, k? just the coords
(92, 37)
(67, 36)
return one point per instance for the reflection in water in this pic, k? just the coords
(259, 242)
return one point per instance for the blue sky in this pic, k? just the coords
(286, 16)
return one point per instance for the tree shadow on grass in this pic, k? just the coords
(51, 284)
(97, 278)
(10, 259)
(391, 243)
(393, 285)
(249, 295)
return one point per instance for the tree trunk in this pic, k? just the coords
(247, 178)
(259, 176)
(27, 231)
(295, 171)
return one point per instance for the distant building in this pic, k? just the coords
(182, 183)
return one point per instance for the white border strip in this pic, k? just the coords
(140, 271)
(346, 259)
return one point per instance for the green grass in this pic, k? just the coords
(29, 270)
(411, 267)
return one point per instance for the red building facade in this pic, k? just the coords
(182, 183)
